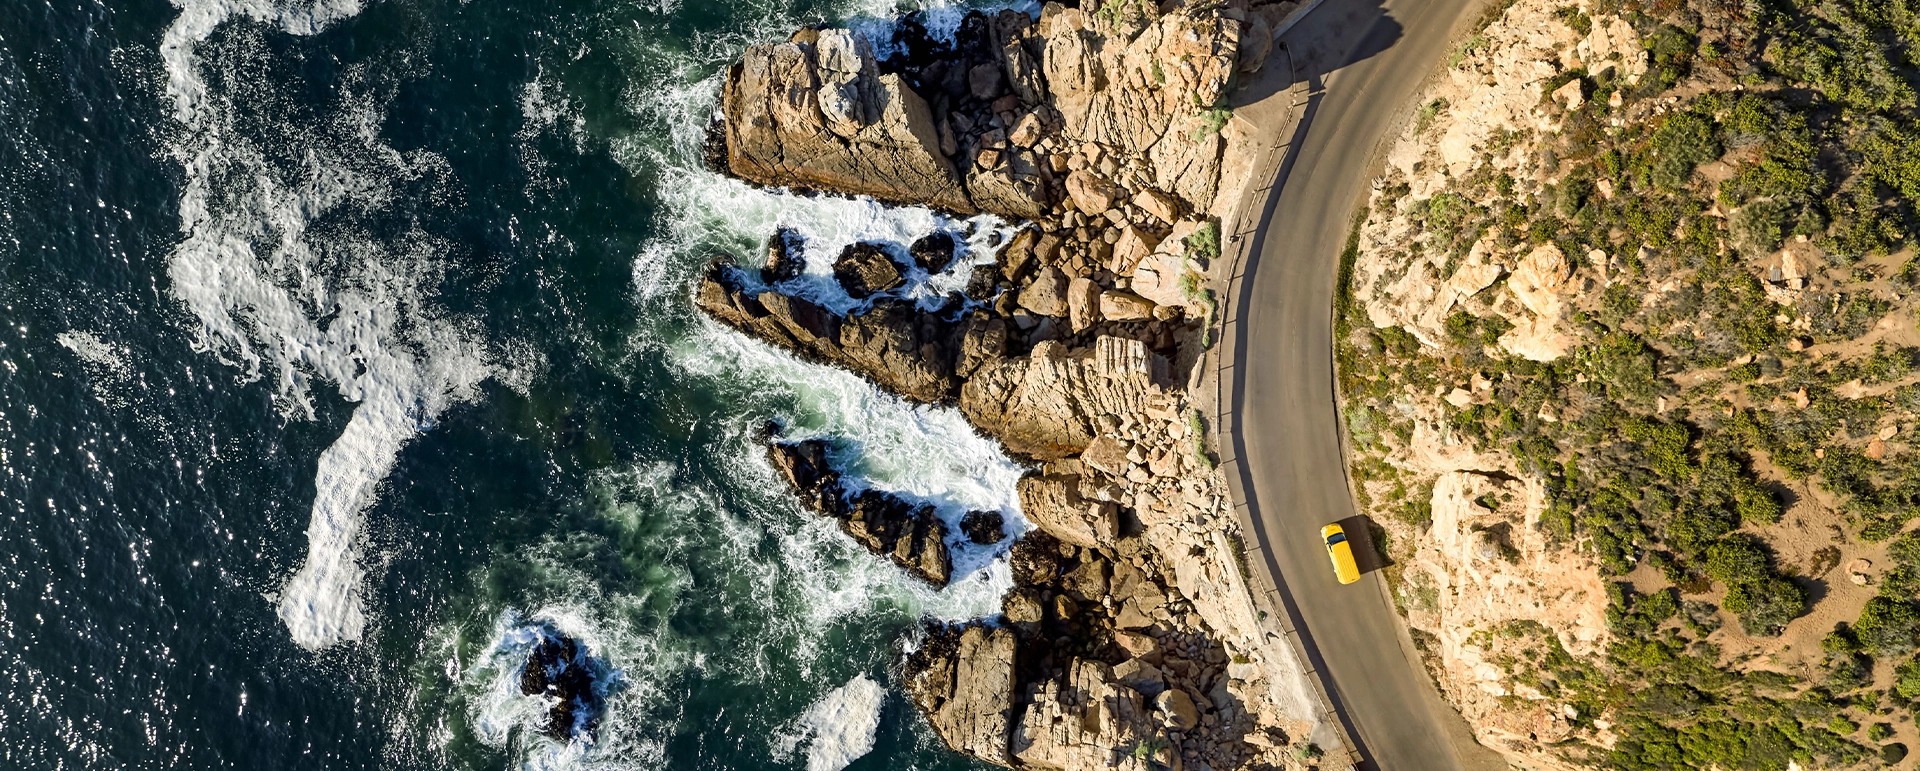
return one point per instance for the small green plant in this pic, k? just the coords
(1212, 121)
(1574, 19)
(1147, 749)
(1428, 112)
(1197, 440)
(1204, 243)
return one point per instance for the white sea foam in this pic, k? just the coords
(108, 374)
(280, 301)
(838, 729)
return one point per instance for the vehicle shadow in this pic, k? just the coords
(1369, 543)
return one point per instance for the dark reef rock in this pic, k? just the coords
(933, 252)
(785, 259)
(910, 534)
(866, 269)
(559, 670)
(984, 527)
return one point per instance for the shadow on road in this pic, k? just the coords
(1321, 43)
(1370, 549)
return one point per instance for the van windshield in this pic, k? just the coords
(1336, 538)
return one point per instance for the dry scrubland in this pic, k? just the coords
(1628, 358)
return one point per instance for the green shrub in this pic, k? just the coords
(1763, 601)
(1887, 627)
(1683, 142)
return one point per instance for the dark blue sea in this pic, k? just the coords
(346, 348)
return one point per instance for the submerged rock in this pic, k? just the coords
(984, 527)
(557, 670)
(933, 252)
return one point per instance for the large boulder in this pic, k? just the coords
(962, 679)
(1043, 405)
(933, 252)
(559, 671)
(866, 269)
(1047, 295)
(815, 112)
(1054, 504)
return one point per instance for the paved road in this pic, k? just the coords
(1278, 393)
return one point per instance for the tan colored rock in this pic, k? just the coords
(1470, 280)
(1088, 721)
(1090, 194)
(1083, 303)
(1158, 204)
(1177, 709)
(823, 117)
(1116, 305)
(1133, 246)
(968, 695)
(1028, 131)
(1047, 295)
(1160, 278)
(1860, 572)
(1570, 95)
(1137, 645)
(1054, 504)
(1488, 567)
(1010, 182)
(1043, 405)
(1140, 676)
(1540, 279)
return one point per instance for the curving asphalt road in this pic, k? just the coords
(1277, 393)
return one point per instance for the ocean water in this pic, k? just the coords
(344, 343)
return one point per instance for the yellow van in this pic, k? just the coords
(1341, 553)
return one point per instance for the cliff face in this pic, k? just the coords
(1130, 639)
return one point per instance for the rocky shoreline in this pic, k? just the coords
(1130, 639)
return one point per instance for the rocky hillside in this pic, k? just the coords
(1131, 639)
(1628, 354)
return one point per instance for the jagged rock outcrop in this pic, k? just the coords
(890, 341)
(815, 112)
(1019, 116)
(1486, 563)
(865, 269)
(964, 681)
(1044, 405)
(984, 527)
(910, 534)
(558, 671)
(1095, 667)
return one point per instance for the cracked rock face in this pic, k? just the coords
(815, 112)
